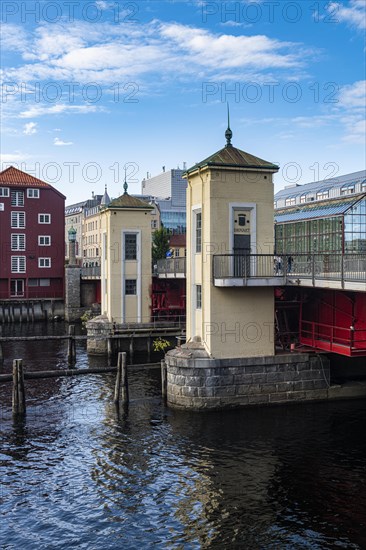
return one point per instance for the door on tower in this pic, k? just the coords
(241, 255)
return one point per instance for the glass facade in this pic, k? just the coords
(174, 221)
(355, 228)
(332, 234)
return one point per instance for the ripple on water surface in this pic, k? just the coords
(79, 474)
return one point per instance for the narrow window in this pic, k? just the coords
(130, 246)
(198, 232)
(198, 297)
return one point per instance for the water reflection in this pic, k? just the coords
(78, 473)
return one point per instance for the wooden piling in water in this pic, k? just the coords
(71, 348)
(121, 395)
(164, 380)
(109, 350)
(131, 350)
(148, 345)
(18, 398)
(117, 387)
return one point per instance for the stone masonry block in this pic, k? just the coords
(258, 399)
(276, 377)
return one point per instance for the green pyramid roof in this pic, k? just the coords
(230, 156)
(128, 202)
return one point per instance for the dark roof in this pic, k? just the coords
(232, 157)
(13, 177)
(127, 201)
(323, 185)
(320, 209)
(177, 240)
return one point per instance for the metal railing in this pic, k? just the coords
(244, 266)
(91, 271)
(337, 267)
(171, 266)
(312, 333)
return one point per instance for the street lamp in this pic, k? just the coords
(72, 246)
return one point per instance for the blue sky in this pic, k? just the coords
(89, 87)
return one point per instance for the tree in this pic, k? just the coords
(160, 244)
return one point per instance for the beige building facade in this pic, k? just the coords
(229, 211)
(125, 226)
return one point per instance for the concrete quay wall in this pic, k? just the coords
(203, 383)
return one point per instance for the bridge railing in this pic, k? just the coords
(91, 271)
(171, 266)
(337, 267)
(244, 266)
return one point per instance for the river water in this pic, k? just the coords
(77, 473)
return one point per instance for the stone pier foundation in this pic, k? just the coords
(196, 381)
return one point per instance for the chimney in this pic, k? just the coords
(184, 165)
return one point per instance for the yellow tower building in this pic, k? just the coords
(229, 358)
(230, 300)
(125, 225)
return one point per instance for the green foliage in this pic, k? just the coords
(87, 316)
(160, 244)
(159, 344)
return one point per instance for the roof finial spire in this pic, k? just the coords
(228, 133)
(125, 186)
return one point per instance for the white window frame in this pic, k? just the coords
(322, 195)
(18, 264)
(17, 198)
(198, 232)
(16, 220)
(33, 193)
(17, 242)
(134, 284)
(4, 192)
(198, 296)
(44, 222)
(40, 237)
(44, 261)
(291, 201)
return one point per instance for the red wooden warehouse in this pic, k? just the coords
(32, 220)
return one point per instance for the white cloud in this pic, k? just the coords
(105, 53)
(40, 110)
(61, 143)
(12, 158)
(354, 13)
(227, 51)
(13, 38)
(354, 95)
(30, 128)
(102, 5)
